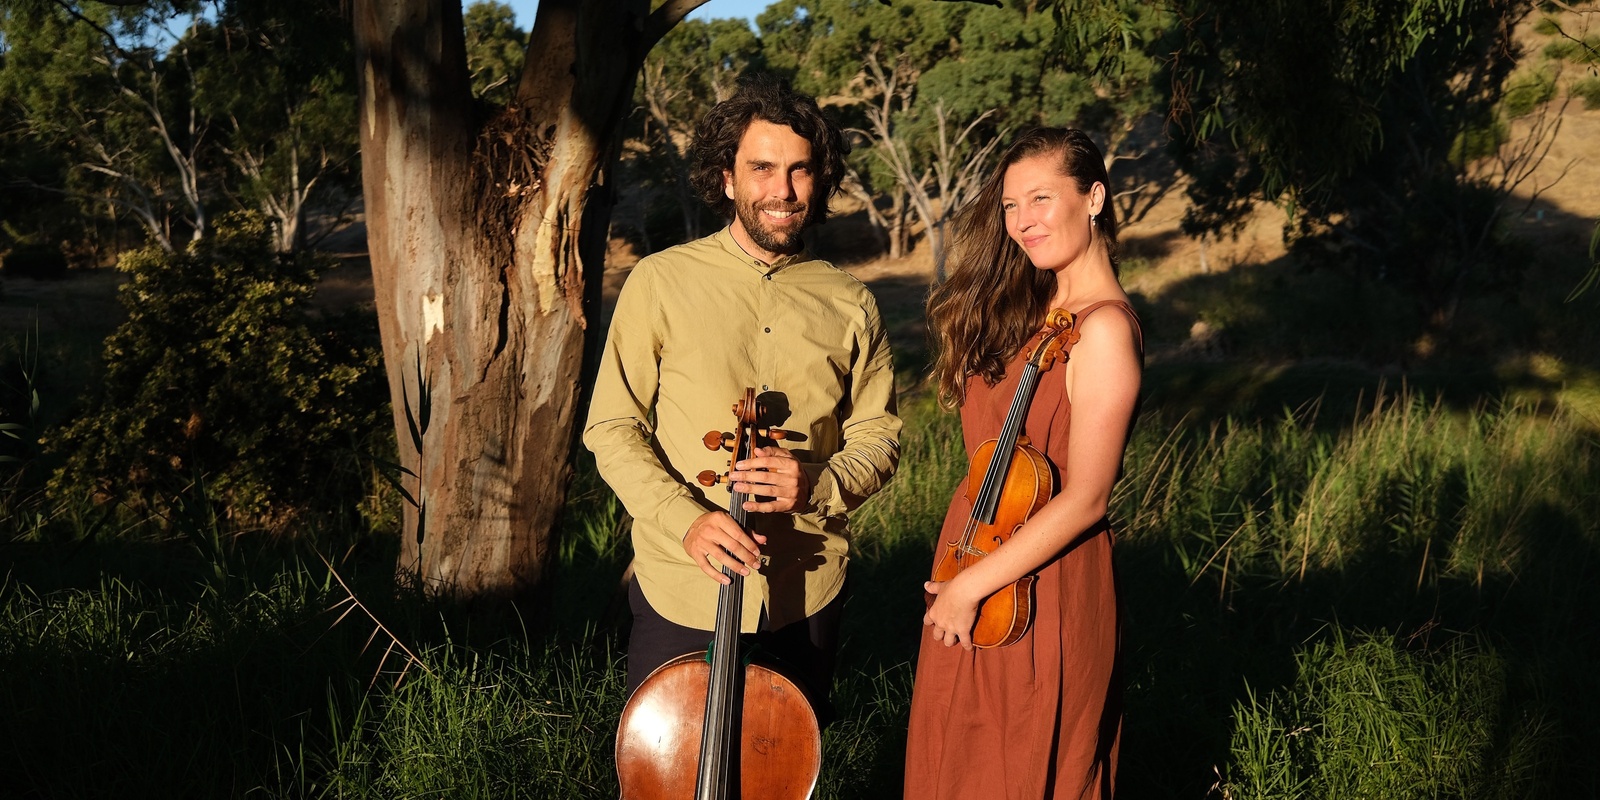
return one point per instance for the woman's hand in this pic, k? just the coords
(953, 613)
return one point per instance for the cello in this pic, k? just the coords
(711, 703)
(1017, 480)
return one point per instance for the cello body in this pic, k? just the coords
(662, 727)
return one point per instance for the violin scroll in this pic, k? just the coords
(1059, 322)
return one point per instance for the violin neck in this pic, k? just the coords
(988, 498)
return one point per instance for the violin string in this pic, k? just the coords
(1000, 459)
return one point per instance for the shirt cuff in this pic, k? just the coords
(678, 514)
(824, 490)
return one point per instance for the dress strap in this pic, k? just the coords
(1138, 331)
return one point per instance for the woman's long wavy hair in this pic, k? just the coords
(995, 299)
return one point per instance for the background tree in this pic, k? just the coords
(826, 46)
(694, 67)
(277, 79)
(165, 115)
(1373, 128)
(931, 90)
(495, 49)
(93, 83)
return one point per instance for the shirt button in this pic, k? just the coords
(768, 330)
(763, 387)
(767, 276)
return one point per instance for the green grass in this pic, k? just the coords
(1392, 605)
(1373, 717)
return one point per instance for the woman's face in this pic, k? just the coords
(1046, 214)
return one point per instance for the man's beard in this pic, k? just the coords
(772, 241)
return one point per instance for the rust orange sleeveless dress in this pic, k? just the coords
(1040, 718)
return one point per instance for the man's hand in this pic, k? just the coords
(714, 539)
(783, 480)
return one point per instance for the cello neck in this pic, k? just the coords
(717, 745)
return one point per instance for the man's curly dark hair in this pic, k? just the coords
(771, 99)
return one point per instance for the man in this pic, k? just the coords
(693, 327)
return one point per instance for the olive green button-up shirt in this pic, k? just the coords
(693, 327)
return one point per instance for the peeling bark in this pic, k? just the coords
(487, 242)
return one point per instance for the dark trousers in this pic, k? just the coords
(804, 650)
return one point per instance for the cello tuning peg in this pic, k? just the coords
(717, 440)
(777, 434)
(708, 478)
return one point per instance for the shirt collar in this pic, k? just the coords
(725, 238)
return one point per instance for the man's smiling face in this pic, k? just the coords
(771, 186)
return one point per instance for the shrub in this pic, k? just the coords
(1586, 51)
(1527, 91)
(218, 373)
(1589, 90)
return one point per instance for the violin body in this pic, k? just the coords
(1007, 481)
(1004, 616)
(780, 744)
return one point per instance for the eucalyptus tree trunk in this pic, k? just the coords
(487, 241)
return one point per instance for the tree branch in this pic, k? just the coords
(664, 18)
(1573, 9)
(110, 37)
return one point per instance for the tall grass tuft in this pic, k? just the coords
(535, 722)
(1465, 493)
(1367, 717)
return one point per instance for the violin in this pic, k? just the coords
(1013, 480)
(754, 729)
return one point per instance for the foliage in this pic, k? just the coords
(1578, 51)
(1589, 90)
(1528, 90)
(495, 50)
(1368, 124)
(934, 88)
(693, 67)
(219, 373)
(278, 79)
(89, 84)
(159, 115)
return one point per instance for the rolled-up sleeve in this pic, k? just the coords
(618, 430)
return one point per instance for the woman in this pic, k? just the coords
(1039, 718)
